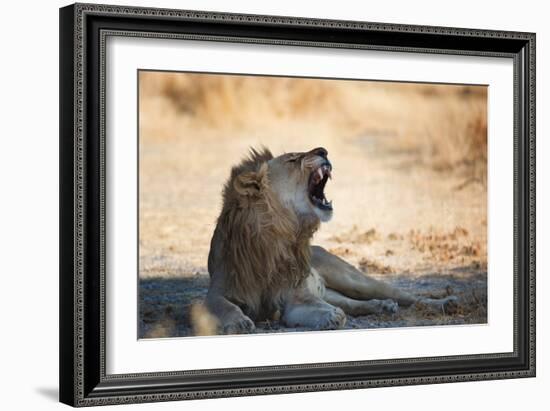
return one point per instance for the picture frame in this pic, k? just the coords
(84, 82)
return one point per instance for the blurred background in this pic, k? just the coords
(409, 187)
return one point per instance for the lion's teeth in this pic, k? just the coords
(320, 172)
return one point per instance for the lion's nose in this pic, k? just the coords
(319, 151)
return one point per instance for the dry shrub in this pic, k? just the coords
(443, 126)
(459, 139)
(237, 102)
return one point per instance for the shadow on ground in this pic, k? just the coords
(50, 393)
(165, 303)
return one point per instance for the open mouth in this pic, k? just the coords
(316, 189)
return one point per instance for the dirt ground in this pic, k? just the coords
(410, 214)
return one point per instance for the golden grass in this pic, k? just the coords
(456, 247)
(443, 126)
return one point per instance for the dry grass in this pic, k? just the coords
(377, 253)
(357, 236)
(374, 267)
(449, 246)
(444, 126)
(236, 102)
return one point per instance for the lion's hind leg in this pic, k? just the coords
(359, 307)
(340, 276)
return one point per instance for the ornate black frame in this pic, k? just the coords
(83, 30)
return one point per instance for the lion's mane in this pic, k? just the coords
(262, 246)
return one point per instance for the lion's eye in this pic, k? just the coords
(292, 159)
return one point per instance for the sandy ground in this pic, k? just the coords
(395, 218)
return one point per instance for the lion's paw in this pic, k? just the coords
(380, 306)
(446, 305)
(332, 319)
(326, 317)
(239, 325)
(389, 306)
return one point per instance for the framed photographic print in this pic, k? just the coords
(262, 204)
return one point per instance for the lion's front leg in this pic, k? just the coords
(231, 319)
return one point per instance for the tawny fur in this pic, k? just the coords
(264, 246)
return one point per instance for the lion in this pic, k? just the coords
(262, 264)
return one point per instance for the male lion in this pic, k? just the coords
(261, 263)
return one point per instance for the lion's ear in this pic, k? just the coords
(251, 183)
